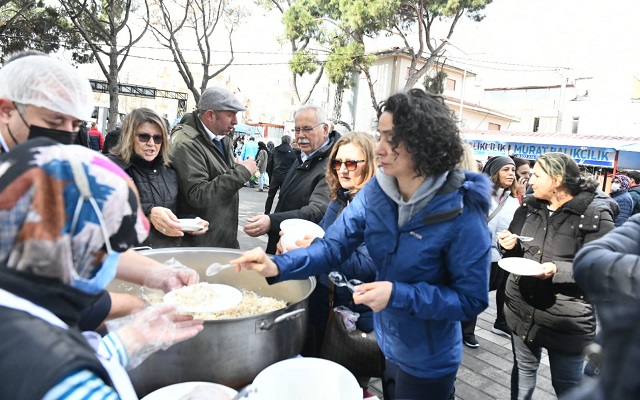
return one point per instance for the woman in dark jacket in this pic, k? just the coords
(143, 152)
(549, 310)
(620, 193)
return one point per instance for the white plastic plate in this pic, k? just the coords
(190, 225)
(180, 390)
(205, 297)
(520, 266)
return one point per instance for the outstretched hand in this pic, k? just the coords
(256, 260)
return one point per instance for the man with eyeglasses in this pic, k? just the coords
(41, 96)
(209, 175)
(304, 193)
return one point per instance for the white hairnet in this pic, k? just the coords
(44, 81)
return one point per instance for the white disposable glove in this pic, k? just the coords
(154, 328)
(172, 275)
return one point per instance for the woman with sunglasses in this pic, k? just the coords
(143, 152)
(351, 165)
(424, 223)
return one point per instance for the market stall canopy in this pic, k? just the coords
(629, 156)
(591, 150)
(248, 129)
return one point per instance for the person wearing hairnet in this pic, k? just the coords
(41, 96)
(67, 214)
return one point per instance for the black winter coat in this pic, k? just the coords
(283, 157)
(157, 185)
(304, 193)
(554, 313)
(608, 270)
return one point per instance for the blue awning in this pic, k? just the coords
(248, 129)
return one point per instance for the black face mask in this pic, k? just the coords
(62, 137)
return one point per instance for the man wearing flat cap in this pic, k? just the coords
(208, 175)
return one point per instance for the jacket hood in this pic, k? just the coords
(477, 187)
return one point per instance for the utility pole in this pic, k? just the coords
(563, 90)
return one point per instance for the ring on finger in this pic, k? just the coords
(164, 230)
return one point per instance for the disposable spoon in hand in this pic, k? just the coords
(217, 267)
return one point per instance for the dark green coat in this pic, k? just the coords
(208, 183)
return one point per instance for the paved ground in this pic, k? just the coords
(485, 372)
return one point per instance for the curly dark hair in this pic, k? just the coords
(427, 128)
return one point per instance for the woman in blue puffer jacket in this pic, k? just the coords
(620, 193)
(424, 224)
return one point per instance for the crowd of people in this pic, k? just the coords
(398, 215)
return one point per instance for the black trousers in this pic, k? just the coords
(497, 281)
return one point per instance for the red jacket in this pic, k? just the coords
(95, 133)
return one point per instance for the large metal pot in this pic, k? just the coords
(229, 352)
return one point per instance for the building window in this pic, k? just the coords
(451, 84)
(574, 125)
(536, 124)
(494, 127)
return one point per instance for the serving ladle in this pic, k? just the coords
(217, 267)
(339, 279)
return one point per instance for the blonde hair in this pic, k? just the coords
(468, 161)
(362, 140)
(132, 122)
(560, 164)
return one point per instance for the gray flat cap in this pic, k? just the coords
(219, 99)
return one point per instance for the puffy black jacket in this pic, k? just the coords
(608, 270)
(158, 186)
(304, 193)
(554, 313)
(283, 158)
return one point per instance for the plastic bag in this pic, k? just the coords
(348, 316)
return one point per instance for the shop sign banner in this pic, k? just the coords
(592, 156)
(489, 149)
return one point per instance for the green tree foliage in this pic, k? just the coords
(31, 24)
(420, 17)
(338, 29)
(435, 84)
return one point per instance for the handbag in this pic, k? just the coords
(356, 351)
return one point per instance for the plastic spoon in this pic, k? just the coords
(217, 267)
(525, 238)
(339, 279)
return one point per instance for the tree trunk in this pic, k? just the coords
(113, 89)
(337, 101)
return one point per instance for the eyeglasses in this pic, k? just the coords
(145, 137)
(350, 164)
(306, 128)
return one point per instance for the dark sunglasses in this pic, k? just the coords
(145, 137)
(350, 164)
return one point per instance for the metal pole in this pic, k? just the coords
(464, 79)
(563, 89)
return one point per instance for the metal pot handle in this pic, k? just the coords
(141, 248)
(264, 325)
